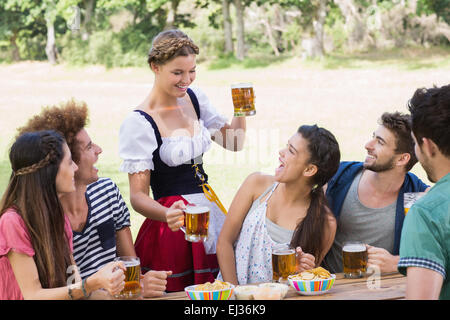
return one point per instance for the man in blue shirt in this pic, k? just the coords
(425, 244)
(367, 197)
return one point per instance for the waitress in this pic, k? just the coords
(161, 143)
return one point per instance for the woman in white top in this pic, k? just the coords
(287, 207)
(162, 142)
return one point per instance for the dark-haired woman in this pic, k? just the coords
(36, 259)
(289, 207)
(162, 142)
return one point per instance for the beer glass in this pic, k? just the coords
(409, 198)
(243, 99)
(354, 257)
(284, 262)
(132, 288)
(196, 221)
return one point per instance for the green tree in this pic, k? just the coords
(16, 17)
(440, 7)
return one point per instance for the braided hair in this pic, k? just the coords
(35, 159)
(170, 44)
(324, 152)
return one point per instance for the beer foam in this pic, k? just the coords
(354, 247)
(128, 264)
(283, 252)
(241, 85)
(196, 209)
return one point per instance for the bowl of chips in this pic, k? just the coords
(218, 290)
(312, 282)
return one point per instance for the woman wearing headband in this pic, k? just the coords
(36, 259)
(162, 142)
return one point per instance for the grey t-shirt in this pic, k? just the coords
(357, 222)
(277, 233)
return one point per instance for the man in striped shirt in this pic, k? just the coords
(98, 215)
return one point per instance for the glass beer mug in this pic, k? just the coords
(284, 262)
(196, 222)
(354, 258)
(132, 288)
(243, 99)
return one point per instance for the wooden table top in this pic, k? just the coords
(390, 286)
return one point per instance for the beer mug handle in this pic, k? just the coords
(183, 229)
(297, 260)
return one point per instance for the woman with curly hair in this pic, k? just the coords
(162, 142)
(98, 215)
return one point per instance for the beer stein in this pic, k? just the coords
(196, 221)
(354, 258)
(243, 99)
(284, 262)
(132, 288)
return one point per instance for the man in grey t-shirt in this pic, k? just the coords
(367, 198)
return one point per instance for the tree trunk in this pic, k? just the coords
(354, 22)
(50, 48)
(240, 54)
(87, 22)
(318, 25)
(277, 26)
(15, 51)
(227, 27)
(171, 14)
(269, 30)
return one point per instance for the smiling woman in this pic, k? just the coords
(162, 143)
(36, 246)
(287, 208)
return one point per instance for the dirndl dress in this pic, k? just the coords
(173, 178)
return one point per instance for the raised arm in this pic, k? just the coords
(231, 136)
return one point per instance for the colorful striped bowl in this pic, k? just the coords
(312, 287)
(222, 294)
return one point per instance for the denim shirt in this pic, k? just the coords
(340, 183)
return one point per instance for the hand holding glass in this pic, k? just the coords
(132, 288)
(196, 222)
(354, 258)
(284, 262)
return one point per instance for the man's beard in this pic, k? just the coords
(380, 167)
(428, 170)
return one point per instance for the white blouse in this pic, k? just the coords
(137, 139)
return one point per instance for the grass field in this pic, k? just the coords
(343, 94)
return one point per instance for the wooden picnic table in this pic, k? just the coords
(391, 286)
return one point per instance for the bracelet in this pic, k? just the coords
(84, 289)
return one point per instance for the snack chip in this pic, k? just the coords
(312, 274)
(216, 285)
